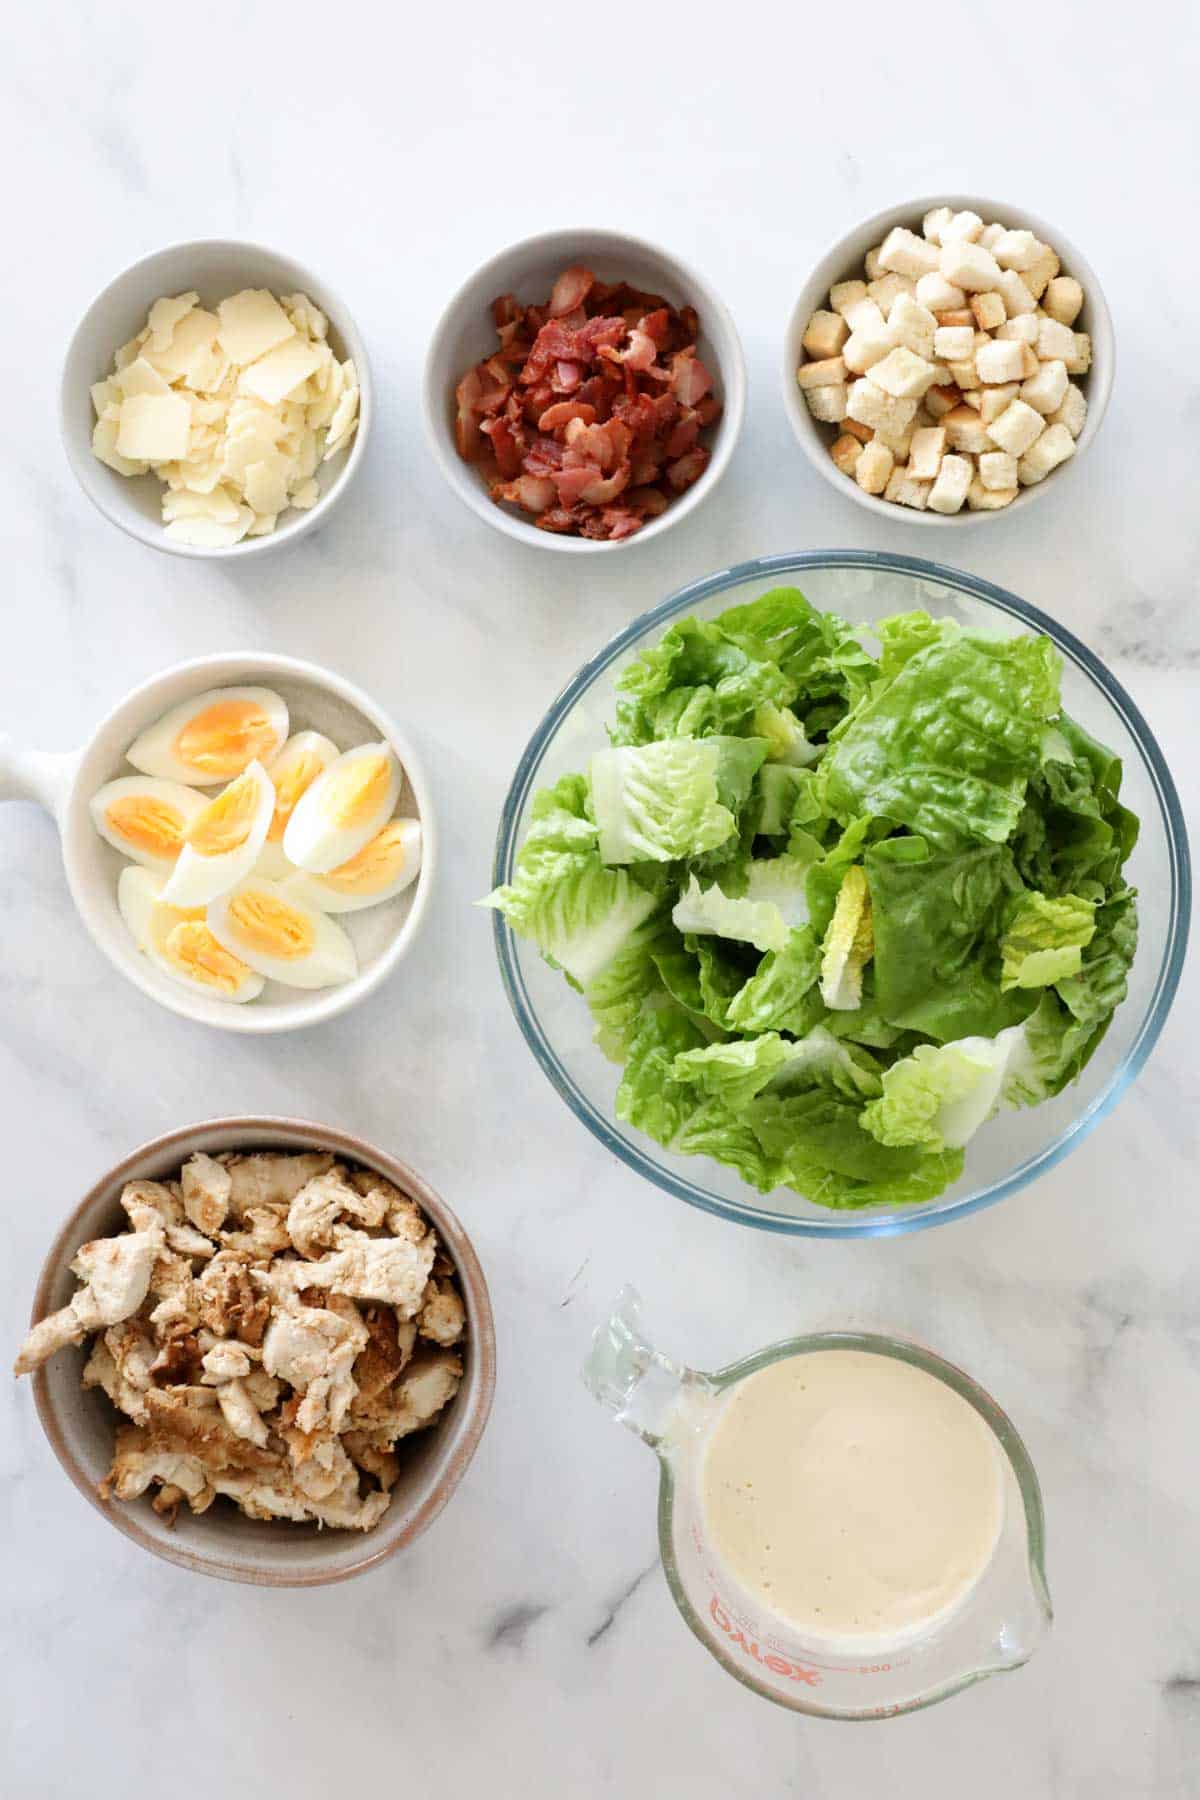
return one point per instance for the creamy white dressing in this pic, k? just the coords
(855, 1497)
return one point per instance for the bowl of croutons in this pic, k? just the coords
(947, 360)
(263, 1349)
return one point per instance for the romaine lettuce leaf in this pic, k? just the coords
(781, 995)
(1044, 939)
(773, 899)
(742, 1068)
(822, 1128)
(578, 913)
(693, 683)
(658, 802)
(937, 918)
(947, 746)
(618, 995)
(818, 652)
(785, 736)
(938, 1097)
(848, 943)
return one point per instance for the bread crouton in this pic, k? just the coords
(988, 310)
(941, 400)
(1018, 250)
(825, 335)
(933, 222)
(997, 361)
(1016, 429)
(954, 343)
(1046, 390)
(1055, 342)
(950, 489)
(1063, 299)
(870, 405)
(863, 315)
(1016, 296)
(874, 468)
(926, 451)
(862, 349)
(990, 236)
(998, 470)
(912, 325)
(904, 253)
(905, 490)
(872, 263)
(1038, 279)
(844, 293)
(969, 266)
(962, 228)
(828, 404)
(1081, 359)
(1054, 446)
(938, 294)
(966, 433)
(830, 372)
(862, 432)
(985, 499)
(846, 451)
(887, 289)
(903, 375)
(994, 400)
(1021, 330)
(1073, 411)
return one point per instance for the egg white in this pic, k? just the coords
(315, 838)
(320, 890)
(329, 961)
(198, 878)
(156, 750)
(150, 923)
(185, 802)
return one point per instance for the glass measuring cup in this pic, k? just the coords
(997, 1626)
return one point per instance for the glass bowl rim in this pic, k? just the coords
(1170, 968)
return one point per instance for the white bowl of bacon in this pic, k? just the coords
(584, 390)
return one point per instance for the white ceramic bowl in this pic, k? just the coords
(80, 1422)
(215, 268)
(64, 783)
(844, 262)
(465, 334)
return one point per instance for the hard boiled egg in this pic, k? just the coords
(145, 818)
(177, 941)
(305, 756)
(222, 843)
(282, 938)
(383, 869)
(344, 809)
(213, 736)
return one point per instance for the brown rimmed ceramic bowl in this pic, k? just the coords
(80, 1422)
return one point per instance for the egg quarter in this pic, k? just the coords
(346, 806)
(213, 737)
(223, 842)
(384, 868)
(178, 942)
(280, 937)
(145, 818)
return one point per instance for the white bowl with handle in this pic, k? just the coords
(65, 781)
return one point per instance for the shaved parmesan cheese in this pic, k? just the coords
(252, 323)
(266, 486)
(154, 427)
(139, 377)
(274, 376)
(210, 534)
(165, 316)
(104, 444)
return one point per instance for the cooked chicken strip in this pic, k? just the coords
(207, 1185)
(364, 1268)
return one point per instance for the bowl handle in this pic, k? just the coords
(45, 776)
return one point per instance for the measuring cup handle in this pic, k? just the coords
(41, 775)
(626, 1374)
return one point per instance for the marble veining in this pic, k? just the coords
(527, 1645)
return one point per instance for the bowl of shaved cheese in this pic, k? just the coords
(216, 399)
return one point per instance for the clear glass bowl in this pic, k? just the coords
(1012, 1149)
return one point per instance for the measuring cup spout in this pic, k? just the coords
(625, 1373)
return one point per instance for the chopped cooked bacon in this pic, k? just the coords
(534, 494)
(563, 411)
(570, 290)
(588, 415)
(689, 468)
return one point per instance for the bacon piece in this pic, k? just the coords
(543, 457)
(690, 380)
(571, 481)
(656, 325)
(638, 354)
(506, 310)
(683, 434)
(688, 469)
(598, 492)
(650, 500)
(505, 446)
(563, 411)
(535, 494)
(709, 410)
(566, 377)
(466, 422)
(556, 518)
(570, 290)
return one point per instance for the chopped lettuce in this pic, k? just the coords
(1044, 939)
(832, 910)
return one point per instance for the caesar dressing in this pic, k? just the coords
(853, 1496)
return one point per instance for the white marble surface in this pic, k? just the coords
(527, 1645)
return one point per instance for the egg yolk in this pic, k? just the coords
(266, 924)
(376, 865)
(192, 948)
(147, 824)
(358, 790)
(226, 822)
(290, 783)
(225, 737)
